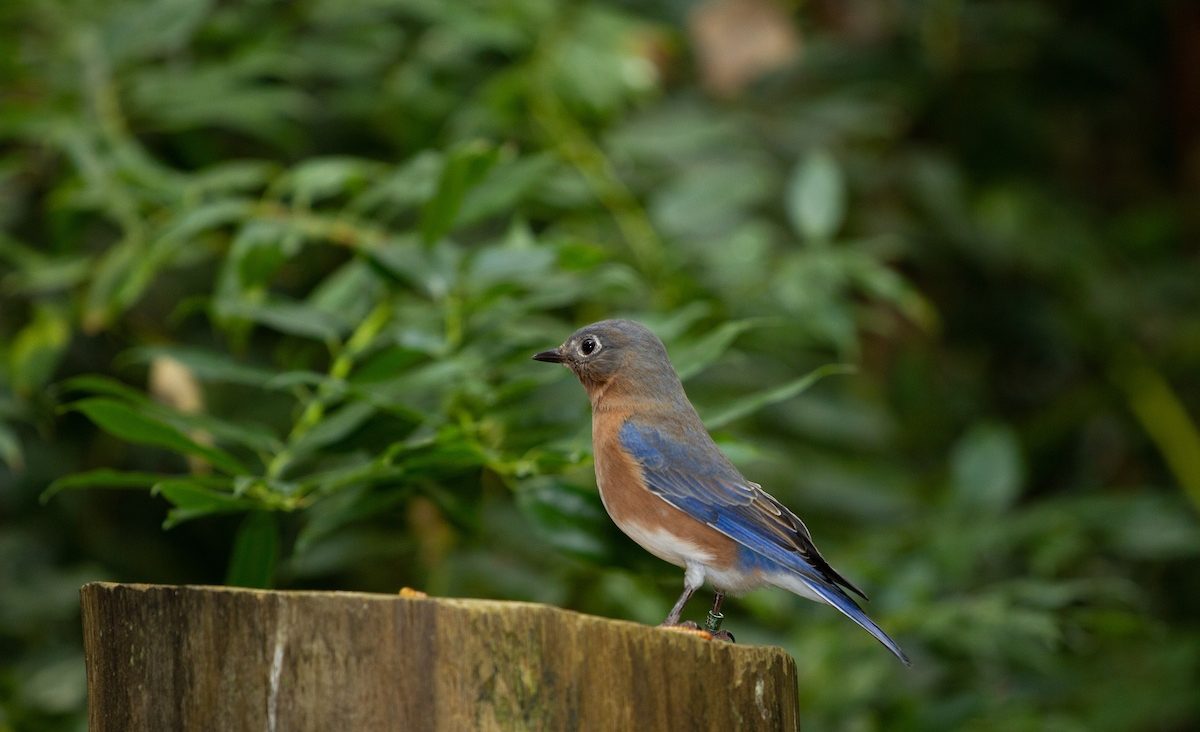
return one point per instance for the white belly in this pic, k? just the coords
(665, 545)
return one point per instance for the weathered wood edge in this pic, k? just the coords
(454, 625)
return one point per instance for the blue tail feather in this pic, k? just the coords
(773, 559)
(850, 609)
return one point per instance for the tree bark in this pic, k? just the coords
(218, 658)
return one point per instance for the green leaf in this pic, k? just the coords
(146, 29)
(750, 404)
(121, 479)
(217, 367)
(816, 197)
(348, 292)
(255, 552)
(191, 222)
(986, 469)
(243, 432)
(102, 299)
(699, 355)
(317, 178)
(345, 506)
(679, 320)
(504, 186)
(37, 348)
(10, 448)
(96, 384)
(291, 318)
(1148, 527)
(49, 275)
(248, 434)
(131, 425)
(234, 176)
(333, 427)
(193, 499)
(518, 262)
(465, 167)
(409, 184)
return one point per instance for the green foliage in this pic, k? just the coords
(273, 273)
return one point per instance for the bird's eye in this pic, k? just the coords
(588, 346)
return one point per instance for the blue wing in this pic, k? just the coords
(691, 474)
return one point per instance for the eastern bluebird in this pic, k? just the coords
(670, 489)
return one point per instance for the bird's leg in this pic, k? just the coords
(673, 616)
(693, 579)
(713, 623)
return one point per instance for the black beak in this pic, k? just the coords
(548, 356)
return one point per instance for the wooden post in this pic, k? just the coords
(218, 658)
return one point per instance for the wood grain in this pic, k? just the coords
(216, 658)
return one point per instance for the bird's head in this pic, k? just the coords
(604, 352)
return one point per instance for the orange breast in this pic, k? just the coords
(660, 528)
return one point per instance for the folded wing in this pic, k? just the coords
(689, 472)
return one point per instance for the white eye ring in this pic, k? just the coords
(589, 346)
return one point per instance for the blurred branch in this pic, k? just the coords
(1164, 418)
(573, 143)
(343, 362)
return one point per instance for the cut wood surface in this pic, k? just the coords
(218, 658)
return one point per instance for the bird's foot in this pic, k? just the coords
(687, 627)
(723, 635)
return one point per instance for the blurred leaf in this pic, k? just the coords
(348, 292)
(816, 197)
(36, 349)
(109, 478)
(986, 470)
(465, 167)
(671, 326)
(192, 499)
(95, 384)
(223, 368)
(1166, 421)
(242, 93)
(317, 178)
(47, 275)
(335, 426)
(10, 448)
(129, 424)
(411, 183)
(194, 220)
(143, 29)
(504, 185)
(694, 357)
(520, 261)
(351, 503)
(255, 552)
(566, 518)
(291, 318)
(56, 686)
(1147, 527)
(748, 405)
(232, 176)
(703, 204)
(244, 432)
(258, 250)
(110, 272)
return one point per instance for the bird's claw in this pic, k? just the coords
(723, 635)
(691, 628)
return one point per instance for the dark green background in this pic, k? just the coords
(333, 232)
